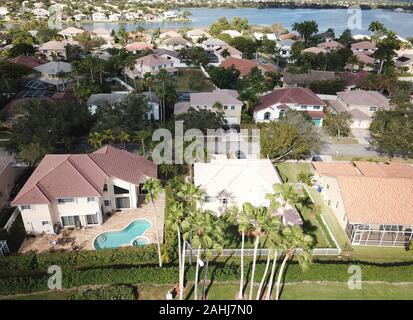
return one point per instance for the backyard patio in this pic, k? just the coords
(69, 240)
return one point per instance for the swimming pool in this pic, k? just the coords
(132, 235)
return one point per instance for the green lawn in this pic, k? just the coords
(291, 291)
(191, 79)
(289, 170)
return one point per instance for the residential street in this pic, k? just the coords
(350, 150)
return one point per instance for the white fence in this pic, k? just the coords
(206, 74)
(11, 220)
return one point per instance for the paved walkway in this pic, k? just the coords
(85, 237)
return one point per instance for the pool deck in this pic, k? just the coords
(84, 237)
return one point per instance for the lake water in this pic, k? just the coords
(338, 19)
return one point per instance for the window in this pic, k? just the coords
(105, 187)
(224, 201)
(122, 202)
(45, 223)
(208, 199)
(232, 107)
(304, 107)
(106, 203)
(316, 107)
(372, 109)
(71, 221)
(119, 190)
(92, 219)
(337, 204)
(267, 116)
(90, 199)
(225, 107)
(26, 207)
(65, 200)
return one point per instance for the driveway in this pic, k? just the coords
(362, 135)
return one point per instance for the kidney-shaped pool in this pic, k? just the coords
(132, 235)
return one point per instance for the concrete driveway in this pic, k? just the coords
(362, 135)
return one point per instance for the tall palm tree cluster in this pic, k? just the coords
(108, 136)
(204, 232)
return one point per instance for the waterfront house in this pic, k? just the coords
(99, 17)
(245, 66)
(196, 34)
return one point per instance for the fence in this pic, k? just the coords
(206, 74)
(4, 249)
(11, 220)
(261, 252)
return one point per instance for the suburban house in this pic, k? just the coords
(169, 34)
(170, 55)
(197, 34)
(70, 32)
(274, 105)
(175, 43)
(331, 45)
(27, 61)
(134, 47)
(56, 49)
(226, 52)
(365, 47)
(353, 79)
(99, 16)
(232, 33)
(231, 106)
(55, 73)
(232, 182)
(150, 64)
(405, 62)
(76, 190)
(103, 33)
(361, 104)
(284, 47)
(373, 202)
(314, 50)
(213, 44)
(7, 178)
(245, 66)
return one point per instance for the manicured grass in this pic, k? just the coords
(289, 170)
(350, 139)
(51, 295)
(191, 79)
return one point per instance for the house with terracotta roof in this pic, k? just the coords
(365, 47)
(152, 64)
(373, 202)
(175, 43)
(28, 61)
(245, 66)
(274, 105)
(134, 47)
(78, 190)
(70, 32)
(56, 49)
(331, 45)
(361, 104)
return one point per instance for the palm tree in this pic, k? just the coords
(175, 218)
(285, 193)
(148, 79)
(95, 140)
(376, 26)
(294, 238)
(259, 220)
(90, 63)
(77, 70)
(100, 67)
(123, 138)
(153, 188)
(190, 195)
(142, 136)
(304, 178)
(274, 240)
(202, 230)
(108, 136)
(272, 231)
(243, 225)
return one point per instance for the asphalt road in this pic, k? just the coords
(350, 150)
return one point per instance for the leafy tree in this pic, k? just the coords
(224, 78)
(201, 119)
(338, 124)
(306, 29)
(247, 46)
(193, 56)
(52, 126)
(142, 137)
(282, 140)
(218, 26)
(129, 115)
(346, 38)
(392, 131)
(327, 86)
(305, 177)
(386, 50)
(21, 49)
(45, 34)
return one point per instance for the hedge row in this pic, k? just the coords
(218, 272)
(81, 259)
(117, 292)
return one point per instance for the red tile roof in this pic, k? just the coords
(245, 66)
(301, 96)
(82, 175)
(29, 62)
(354, 78)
